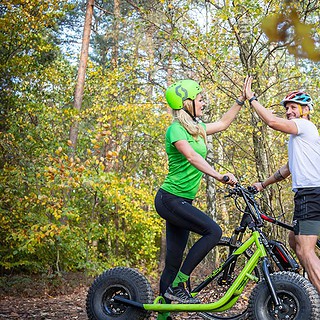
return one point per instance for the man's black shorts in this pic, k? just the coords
(306, 218)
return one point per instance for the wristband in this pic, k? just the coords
(240, 103)
(253, 98)
(262, 185)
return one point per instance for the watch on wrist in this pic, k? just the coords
(253, 98)
(240, 103)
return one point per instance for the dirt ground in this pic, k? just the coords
(62, 307)
(37, 299)
(69, 306)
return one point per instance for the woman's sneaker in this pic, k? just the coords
(180, 294)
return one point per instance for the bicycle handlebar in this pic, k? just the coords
(248, 196)
(251, 191)
(239, 190)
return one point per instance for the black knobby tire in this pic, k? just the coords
(300, 299)
(125, 282)
(216, 290)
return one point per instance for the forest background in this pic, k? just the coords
(77, 182)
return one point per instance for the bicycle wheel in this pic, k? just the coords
(299, 299)
(217, 288)
(120, 281)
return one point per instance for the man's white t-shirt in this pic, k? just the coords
(304, 155)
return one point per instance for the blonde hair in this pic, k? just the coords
(187, 122)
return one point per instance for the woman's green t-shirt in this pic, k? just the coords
(183, 179)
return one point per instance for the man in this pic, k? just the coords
(304, 167)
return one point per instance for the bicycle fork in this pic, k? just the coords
(266, 273)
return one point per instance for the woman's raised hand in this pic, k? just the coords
(247, 87)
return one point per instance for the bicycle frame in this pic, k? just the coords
(282, 224)
(275, 249)
(233, 293)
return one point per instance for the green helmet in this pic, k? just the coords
(180, 91)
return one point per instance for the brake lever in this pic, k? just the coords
(252, 189)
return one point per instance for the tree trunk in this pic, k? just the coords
(115, 35)
(248, 57)
(150, 49)
(169, 72)
(78, 95)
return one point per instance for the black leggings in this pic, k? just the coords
(181, 218)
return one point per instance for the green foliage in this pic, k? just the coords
(95, 209)
(60, 213)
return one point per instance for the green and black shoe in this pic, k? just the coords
(180, 294)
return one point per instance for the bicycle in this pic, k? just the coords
(282, 259)
(125, 294)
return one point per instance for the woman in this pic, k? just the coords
(186, 149)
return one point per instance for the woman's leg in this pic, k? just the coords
(190, 218)
(176, 241)
(181, 218)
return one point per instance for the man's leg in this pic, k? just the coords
(305, 250)
(292, 241)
